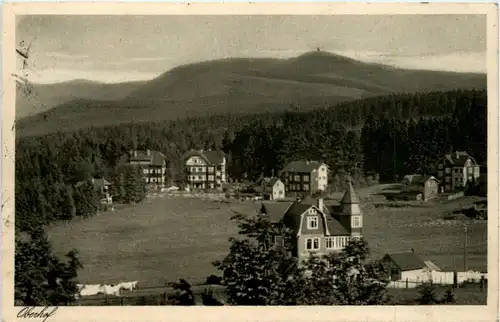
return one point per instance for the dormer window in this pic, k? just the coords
(312, 222)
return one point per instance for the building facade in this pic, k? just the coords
(317, 228)
(153, 165)
(205, 169)
(272, 188)
(404, 265)
(457, 170)
(305, 177)
(428, 186)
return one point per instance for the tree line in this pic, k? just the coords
(375, 138)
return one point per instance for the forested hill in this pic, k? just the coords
(391, 139)
(310, 81)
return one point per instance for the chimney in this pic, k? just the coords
(135, 153)
(320, 204)
(148, 152)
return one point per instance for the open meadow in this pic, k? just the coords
(168, 238)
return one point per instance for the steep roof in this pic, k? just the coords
(406, 261)
(412, 178)
(458, 158)
(210, 156)
(302, 166)
(154, 157)
(290, 214)
(424, 179)
(275, 210)
(98, 183)
(350, 195)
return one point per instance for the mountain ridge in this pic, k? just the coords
(250, 85)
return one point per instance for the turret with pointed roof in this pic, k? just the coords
(350, 207)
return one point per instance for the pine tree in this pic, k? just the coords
(40, 277)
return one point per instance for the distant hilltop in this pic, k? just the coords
(247, 85)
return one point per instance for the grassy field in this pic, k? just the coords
(169, 238)
(159, 241)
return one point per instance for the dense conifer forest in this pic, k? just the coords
(385, 136)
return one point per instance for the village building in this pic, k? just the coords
(153, 165)
(457, 170)
(102, 187)
(305, 177)
(317, 228)
(422, 187)
(204, 169)
(406, 265)
(270, 188)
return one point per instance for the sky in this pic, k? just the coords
(123, 48)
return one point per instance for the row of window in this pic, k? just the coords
(202, 169)
(304, 187)
(154, 171)
(305, 178)
(314, 243)
(313, 221)
(194, 178)
(448, 171)
(154, 180)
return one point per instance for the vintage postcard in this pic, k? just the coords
(330, 161)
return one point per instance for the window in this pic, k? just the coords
(447, 170)
(469, 170)
(211, 169)
(296, 178)
(440, 173)
(447, 179)
(312, 222)
(145, 171)
(312, 243)
(330, 242)
(306, 187)
(356, 222)
(312, 211)
(211, 177)
(440, 166)
(281, 192)
(306, 178)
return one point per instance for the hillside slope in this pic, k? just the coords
(44, 97)
(243, 85)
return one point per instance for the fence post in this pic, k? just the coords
(407, 282)
(106, 299)
(455, 279)
(121, 301)
(165, 298)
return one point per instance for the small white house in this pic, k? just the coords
(407, 265)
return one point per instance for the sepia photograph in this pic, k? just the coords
(251, 160)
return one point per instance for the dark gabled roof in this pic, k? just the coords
(98, 183)
(302, 166)
(412, 178)
(335, 228)
(424, 179)
(406, 261)
(458, 158)
(210, 156)
(155, 158)
(275, 210)
(350, 195)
